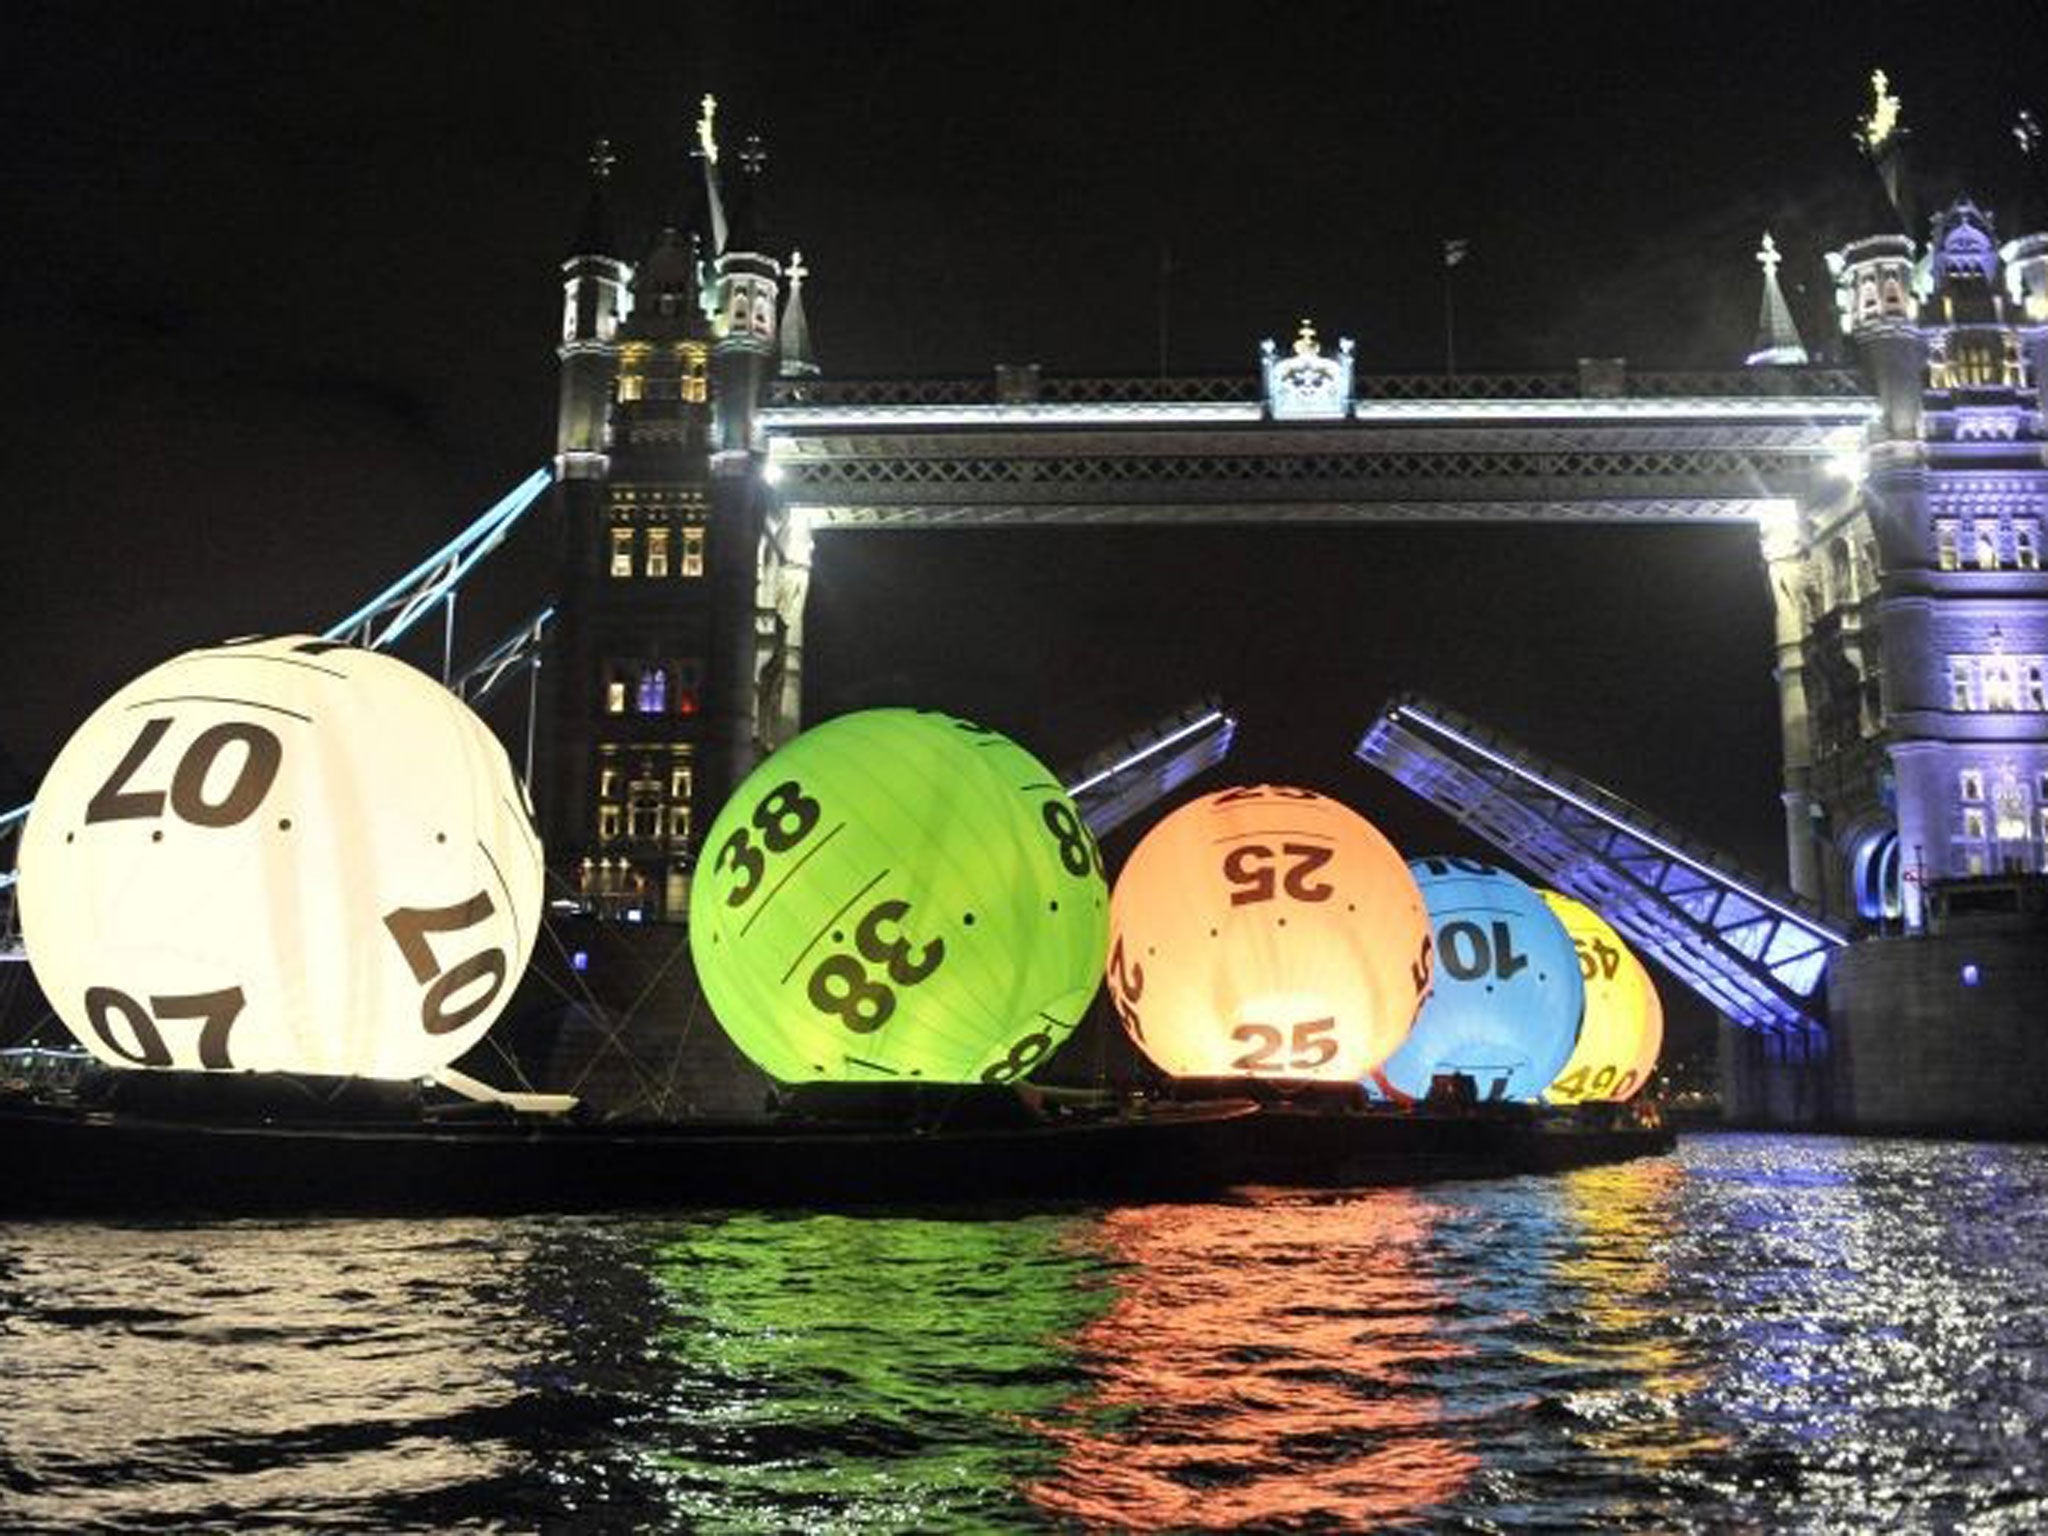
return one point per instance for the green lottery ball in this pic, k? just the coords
(898, 894)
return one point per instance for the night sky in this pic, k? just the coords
(281, 297)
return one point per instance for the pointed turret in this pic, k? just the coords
(596, 300)
(797, 361)
(748, 284)
(743, 230)
(1777, 338)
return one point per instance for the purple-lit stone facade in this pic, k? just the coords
(1912, 595)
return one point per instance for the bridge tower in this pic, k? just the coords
(617, 780)
(676, 656)
(1913, 662)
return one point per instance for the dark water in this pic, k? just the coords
(1761, 1333)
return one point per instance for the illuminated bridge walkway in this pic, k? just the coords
(1754, 952)
(1589, 447)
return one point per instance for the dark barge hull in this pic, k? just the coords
(70, 1162)
(1336, 1149)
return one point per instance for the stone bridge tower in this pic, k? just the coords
(677, 650)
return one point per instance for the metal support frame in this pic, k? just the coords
(475, 683)
(1755, 952)
(11, 823)
(1135, 773)
(520, 651)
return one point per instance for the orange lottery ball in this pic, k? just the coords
(1267, 932)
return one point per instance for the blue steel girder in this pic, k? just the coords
(1754, 952)
(1135, 773)
(384, 619)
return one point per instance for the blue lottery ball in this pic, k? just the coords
(1508, 995)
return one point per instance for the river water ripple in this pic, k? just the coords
(1759, 1333)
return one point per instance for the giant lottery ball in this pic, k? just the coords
(280, 855)
(1623, 1030)
(1267, 932)
(1505, 1009)
(898, 895)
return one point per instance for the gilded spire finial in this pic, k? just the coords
(602, 159)
(1882, 125)
(796, 270)
(1305, 344)
(707, 141)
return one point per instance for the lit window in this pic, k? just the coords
(1998, 684)
(608, 781)
(630, 386)
(622, 551)
(1945, 554)
(693, 378)
(693, 551)
(1959, 684)
(657, 551)
(2037, 694)
(1987, 550)
(645, 813)
(615, 696)
(607, 823)
(1973, 825)
(2011, 806)
(1971, 782)
(679, 823)
(1973, 863)
(652, 696)
(679, 784)
(2026, 546)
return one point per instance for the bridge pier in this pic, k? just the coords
(1775, 1080)
(1945, 1034)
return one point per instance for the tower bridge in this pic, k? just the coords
(1899, 507)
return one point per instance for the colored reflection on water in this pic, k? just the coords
(1761, 1333)
(864, 1373)
(1268, 1362)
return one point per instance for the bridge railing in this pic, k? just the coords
(1738, 384)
